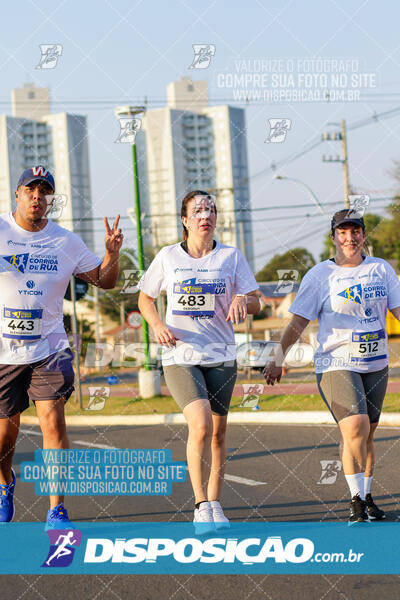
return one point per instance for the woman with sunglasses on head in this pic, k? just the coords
(209, 287)
(350, 295)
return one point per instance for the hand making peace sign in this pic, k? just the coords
(114, 237)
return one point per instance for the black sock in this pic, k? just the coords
(198, 503)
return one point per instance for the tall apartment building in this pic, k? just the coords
(33, 136)
(190, 145)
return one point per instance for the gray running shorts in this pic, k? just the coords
(188, 383)
(349, 393)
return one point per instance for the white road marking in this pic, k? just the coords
(30, 432)
(93, 445)
(243, 480)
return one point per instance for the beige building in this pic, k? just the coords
(33, 136)
(190, 145)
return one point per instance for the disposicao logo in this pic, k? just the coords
(192, 550)
(63, 543)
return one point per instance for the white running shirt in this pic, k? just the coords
(35, 269)
(199, 294)
(350, 304)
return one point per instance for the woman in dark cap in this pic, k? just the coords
(349, 294)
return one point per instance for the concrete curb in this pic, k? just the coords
(311, 417)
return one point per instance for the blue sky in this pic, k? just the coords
(122, 52)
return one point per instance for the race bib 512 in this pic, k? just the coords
(368, 346)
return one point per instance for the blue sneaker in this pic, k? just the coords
(57, 518)
(7, 500)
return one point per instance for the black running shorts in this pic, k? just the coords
(349, 393)
(48, 379)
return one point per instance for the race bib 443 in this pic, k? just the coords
(21, 324)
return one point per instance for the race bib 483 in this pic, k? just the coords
(193, 300)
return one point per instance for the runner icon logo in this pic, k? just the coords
(251, 395)
(287, 279)
(16, 262)
(55, 204)
(358, 204)
(353, 292)
(330, 470)
(132, 277)
(203, 54)
(278, 130)
(97, 398)
(63, 543)
(50, 55)
(128, 130)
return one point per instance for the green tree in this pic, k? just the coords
(299, 259)
(387, 232)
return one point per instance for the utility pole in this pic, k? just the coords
(160, 299)
(76, 343)
(249, 318)
(345, 166)
(123, 322)
(336, 137)
(97, 315)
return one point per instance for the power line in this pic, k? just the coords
(316, 142)
(222, 212)
(293, 241)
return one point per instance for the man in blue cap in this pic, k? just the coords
(37, 260)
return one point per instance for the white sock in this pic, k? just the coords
(367, 485)
(356, 484)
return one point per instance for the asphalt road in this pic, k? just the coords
(280, 470)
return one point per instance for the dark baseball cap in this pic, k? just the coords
(347, 215)
(38, 173)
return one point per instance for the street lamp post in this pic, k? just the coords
(309, 190)
(132, 112)
(149, 382)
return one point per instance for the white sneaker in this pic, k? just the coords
(220, 520)
(203, 519)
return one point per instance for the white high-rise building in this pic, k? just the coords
(33, 136)
(189, 145)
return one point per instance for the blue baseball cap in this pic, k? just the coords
(38, 173)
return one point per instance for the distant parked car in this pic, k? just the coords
(255, 354)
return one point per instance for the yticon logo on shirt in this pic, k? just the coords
(353, 293)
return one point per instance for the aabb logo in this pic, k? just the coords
(41, 171)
